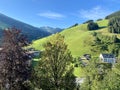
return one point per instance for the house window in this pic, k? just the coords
(105, 60)
(109, 60)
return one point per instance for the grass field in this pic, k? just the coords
(78, 39)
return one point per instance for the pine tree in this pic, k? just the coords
(114, 25)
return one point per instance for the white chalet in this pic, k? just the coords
(108, 58)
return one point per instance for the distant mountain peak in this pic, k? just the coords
(51, 29)
(32, 32)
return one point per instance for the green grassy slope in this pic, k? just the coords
(77, 38)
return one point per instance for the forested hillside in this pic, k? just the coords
(113, 15)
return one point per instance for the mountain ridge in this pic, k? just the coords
(51, 29)
(117, 13)
(30, 31)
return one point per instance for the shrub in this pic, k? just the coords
(92, 26)
(76, 65)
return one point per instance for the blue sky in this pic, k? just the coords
(57, 13)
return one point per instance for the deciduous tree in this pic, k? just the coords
(54, 71)
(14, 67)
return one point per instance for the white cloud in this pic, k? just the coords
(51, 15)
(94, 13)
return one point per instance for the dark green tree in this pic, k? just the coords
(114, 25)
(54, 71)
(92, 26)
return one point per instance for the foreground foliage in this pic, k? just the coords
(101, 76)
(54, 71)
(14, 67)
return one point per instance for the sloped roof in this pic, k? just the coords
(108, 56)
